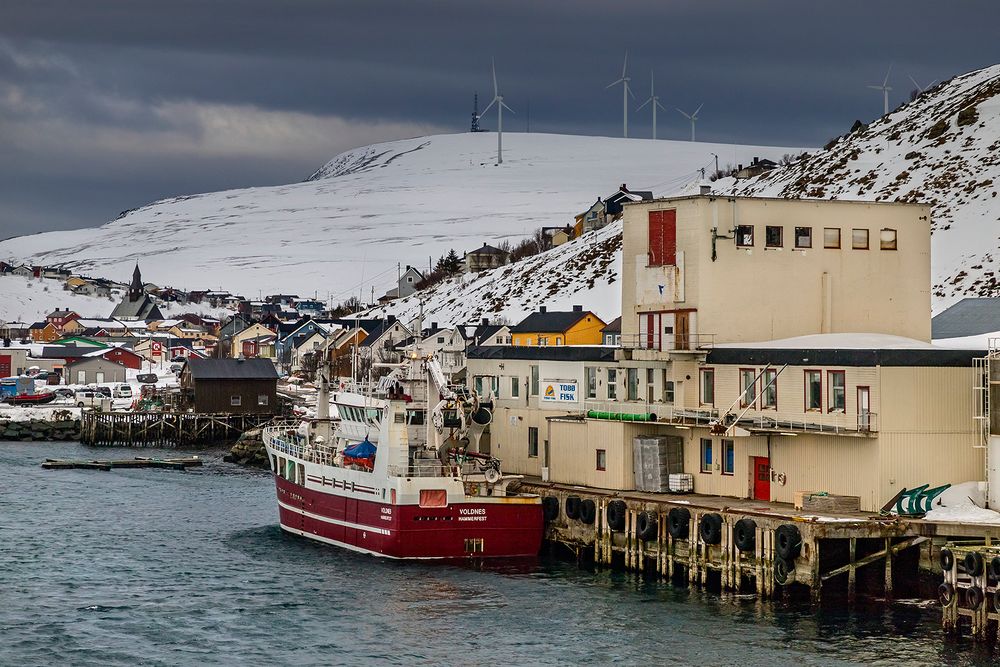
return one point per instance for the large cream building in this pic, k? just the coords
(781, 362)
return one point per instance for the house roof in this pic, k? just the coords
(487, 250)
(968, 317)
(614, 326)
(550, 321)
(543, 352)
(231, 369)
(142, 308)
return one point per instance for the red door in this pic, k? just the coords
(761, 478)
(4, 365)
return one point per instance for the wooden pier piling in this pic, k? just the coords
(164, 429)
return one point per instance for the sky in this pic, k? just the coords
(106, 105)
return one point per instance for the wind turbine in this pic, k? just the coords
(693, 118)
(654, 99)
(498, 100)
(922, 88)
(626, 91)
(885, 90)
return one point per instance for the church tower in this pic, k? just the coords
(135, 290)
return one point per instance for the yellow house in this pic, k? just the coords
(575, 327)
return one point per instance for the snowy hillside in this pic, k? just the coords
(342, 232)
(30, 300)
(584, 272)
(943, 149)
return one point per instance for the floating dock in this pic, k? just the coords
(137, 462)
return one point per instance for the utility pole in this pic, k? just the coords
(716, 163)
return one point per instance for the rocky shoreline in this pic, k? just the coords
(249, 451)
(40, 430)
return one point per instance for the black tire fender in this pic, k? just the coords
(710, 528)
(679, 523)
(782, 571)
(947, 559)
(550, 508)
(788, 541)
(616, 515)
(572, 507)
(647, 526)
(745, 535)
(946, 595)
(974, 564)
(974, 597)
(995, 568)
(588, 511)
(996, 601)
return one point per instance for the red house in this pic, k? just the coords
(60, 318)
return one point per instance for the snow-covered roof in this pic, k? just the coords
(836, 341)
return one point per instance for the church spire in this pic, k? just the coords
(135, 290)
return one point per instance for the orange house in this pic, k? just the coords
(575, 327)
(44, 332)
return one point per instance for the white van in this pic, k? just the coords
(88, 398)
(123, 391)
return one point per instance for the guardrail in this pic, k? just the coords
(669, 342)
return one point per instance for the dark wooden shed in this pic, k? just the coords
(233, 386)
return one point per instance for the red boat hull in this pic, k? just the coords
(463, 530)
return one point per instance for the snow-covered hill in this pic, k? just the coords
(943, 148)
(342, 232)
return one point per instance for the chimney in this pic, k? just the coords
(541, 309)
(705, 189)
(577, 309)
(755, 160)
(434, 325)
(486, 321)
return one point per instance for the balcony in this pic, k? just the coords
(651, 346)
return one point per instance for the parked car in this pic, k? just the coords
(63, 392)
(87, 398)
(147, 378)
(123, 391)
(176, 368)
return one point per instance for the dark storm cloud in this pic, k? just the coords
(105, 105)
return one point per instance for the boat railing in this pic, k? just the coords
(432, 468)
(286, 439)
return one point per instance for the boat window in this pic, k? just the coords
(415, 417)
(433, 498)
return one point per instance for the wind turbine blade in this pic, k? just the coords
(875, 87)
(644, 104)
(889, 71)
(625, 66)
(504, 105)
(660, 105)
(916, 84)
(887, 88)
(683, 114)
(629, 89)
(613, 83)
(492, 102)
(496, 91)
(698, 109)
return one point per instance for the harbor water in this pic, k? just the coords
(157, 567)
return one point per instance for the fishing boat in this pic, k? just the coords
(31, 399)
(398, 473)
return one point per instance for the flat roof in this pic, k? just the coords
(543, 353)
(720, 195)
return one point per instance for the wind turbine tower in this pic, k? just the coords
(626, 91)
(498, 100)
(654, 99)
(692, 117)
(885, 90)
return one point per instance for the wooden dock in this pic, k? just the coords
(137, 462)
(164, 429)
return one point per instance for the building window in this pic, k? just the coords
(859, 239)
(532, 442)
(707, 389)
(837, 391)
(534, 381)
(831, 237)
(633, 384)
(814, 391)
(612, 384)
(769, 390)
(748, 387)
(772, 236)
(728, 457)
(543, 340)
(803, 237)
(477, 384)
(744, 236)
(235, 401)
(440, 339)
(591, 377)
(887, 239)
(668, 388)
(602, 459)
(706, 455)
(558, 340)
(262, 399)
(514, 387)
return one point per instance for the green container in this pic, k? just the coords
(621, 416)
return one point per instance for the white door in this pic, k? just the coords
(81, 377)
(864, 409)
(100, 377)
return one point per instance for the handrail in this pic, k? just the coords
(668, 342)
